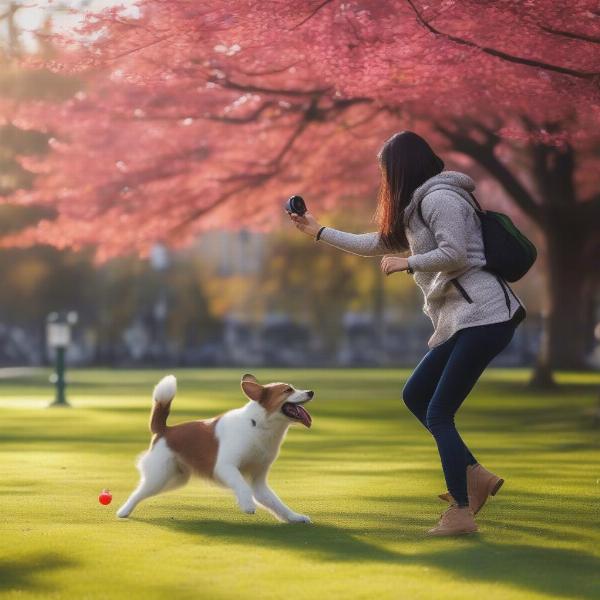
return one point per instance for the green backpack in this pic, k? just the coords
(508, 253)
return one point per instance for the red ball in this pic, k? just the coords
(105, 497)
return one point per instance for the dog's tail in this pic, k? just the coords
(164, 392)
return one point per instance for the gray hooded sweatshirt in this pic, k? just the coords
(447, 257)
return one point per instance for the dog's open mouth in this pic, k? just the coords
(297, 413)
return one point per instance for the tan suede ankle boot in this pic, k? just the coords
(456, 520)
(481, 484)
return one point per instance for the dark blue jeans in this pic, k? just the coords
(441, 382)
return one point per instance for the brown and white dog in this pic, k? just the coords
(235, 449)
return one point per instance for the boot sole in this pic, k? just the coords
(497, 487)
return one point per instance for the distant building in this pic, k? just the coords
(233, 252)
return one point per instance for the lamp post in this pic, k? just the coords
(58, 337)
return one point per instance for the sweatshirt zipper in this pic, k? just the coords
(462, 290)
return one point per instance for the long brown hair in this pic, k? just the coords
(407, 161)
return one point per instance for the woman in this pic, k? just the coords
(430, 212)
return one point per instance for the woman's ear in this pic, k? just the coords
(253, 390)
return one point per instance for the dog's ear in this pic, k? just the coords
(253, 390)
(249, 377)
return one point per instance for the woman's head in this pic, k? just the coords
(407, 161)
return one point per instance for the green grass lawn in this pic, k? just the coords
(366, 473)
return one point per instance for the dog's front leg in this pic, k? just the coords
(231, 477)
(269, 499)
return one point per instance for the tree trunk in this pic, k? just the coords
(564, 336)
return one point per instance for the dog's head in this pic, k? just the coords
(279, 400)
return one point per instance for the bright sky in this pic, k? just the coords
(32, 14)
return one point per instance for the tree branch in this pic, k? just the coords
(143, 47)
(249, 179)
(503, 55)
(233, 85)
(484, 155)
(312, 14)
(553, 166)
(582, 37)
(254, 116)
(276, 71)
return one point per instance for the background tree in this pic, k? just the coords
(196, 116)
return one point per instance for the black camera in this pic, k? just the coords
(296, 205)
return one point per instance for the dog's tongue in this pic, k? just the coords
(298, 413)
(304, 416)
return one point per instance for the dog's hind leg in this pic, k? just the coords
(159, 472)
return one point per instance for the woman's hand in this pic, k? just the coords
(306, 223)
(391, 264)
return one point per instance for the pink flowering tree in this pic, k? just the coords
(196, 115)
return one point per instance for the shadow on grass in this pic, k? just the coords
(20, 574)
(320, 541)
(552, 571)
(543, 569)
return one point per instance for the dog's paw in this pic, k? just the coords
(297, 518)
(122, 513)
(249, 509)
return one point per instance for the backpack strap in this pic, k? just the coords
(420, 210)
(476, 203)
(506, 288)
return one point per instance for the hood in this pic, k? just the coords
(446, 180)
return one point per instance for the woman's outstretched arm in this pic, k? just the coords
(362, 244)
